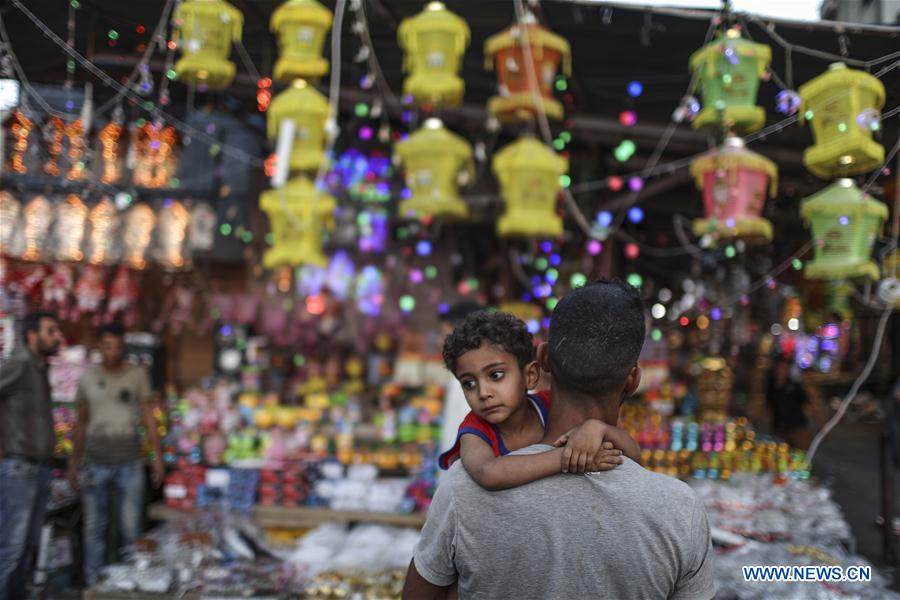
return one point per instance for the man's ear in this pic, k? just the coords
(543, 356)
(633, 381)
(532, 375)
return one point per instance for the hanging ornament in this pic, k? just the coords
(202, 235)
(105, 223)
(845, 223)
(832, 103)
(10, 210)
(111, 162)
(298, 215)
(123, 296)
(139, 222)
(301, 27)
(435, 159)
(57, 289)
(309, 110)
(204, 31)
(155, 161)
(730, 69)
(889, 289)
(90, 291)
(520, 97)
(68, 229)
(433, 44)
(170, 235)
(734, 182)
(38, 214)
(20, 128)
(75, 138)
(54, 133)
(529, 175)
(787, 102)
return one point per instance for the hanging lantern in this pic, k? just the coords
(309, 110)
(435, 160)
(843, 106)
(204, 31)
(507, 53)
(36, 216)
(889, 289)
(845, 223)
(10, 210)
(433, 44)
(529, 174)
(105, 222)
(171, 232)
(734, 182)
(138, 231)
(298, 214)
(301, 26)
(729, 72)
(68, 228)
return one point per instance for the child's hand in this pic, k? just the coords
(582, 444)
(605, 460)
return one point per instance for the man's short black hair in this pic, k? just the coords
(491, 328)
(596, 335)
(114, 329)
(32, 322)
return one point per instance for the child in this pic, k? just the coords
(492, 357)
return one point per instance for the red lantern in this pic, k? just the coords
(734, 181)
(521, 94)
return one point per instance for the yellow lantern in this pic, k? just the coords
(843, 106)
(433, 44)
(435, 160)
(529, 175)
(298, 214)
(522, 96)
(309, 110)
(301, 26)
(204, 31)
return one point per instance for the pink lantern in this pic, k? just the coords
(734, 182)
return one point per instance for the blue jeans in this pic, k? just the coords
(24, 490)
(96, 483)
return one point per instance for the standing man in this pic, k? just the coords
(113, 399)
(26, 450)
(626, 533)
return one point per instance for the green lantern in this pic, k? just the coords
(843, 106)
(729, 71)
(845, 223)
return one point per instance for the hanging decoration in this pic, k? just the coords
(171, 229)
(506, 53)
(714, 389)
(57, 289)
(90, 292)
(75, 139)
(202, 235)
(734, 181)
(38, 215)
(155, 155)
(54, 133)
(730, 69)
(435, 160)
(433, 44)
(105, 223)
(10, 210)
(111, 162)
(845, 223)
(309, 111)
(68, 229)
(204, 31)
(843, 106)
(529, 175)
(299, 215)
(301, 27)
(20, 128)
(123, 296)
(139, 222)
(889, 289)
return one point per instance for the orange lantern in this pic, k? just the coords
(520, 96)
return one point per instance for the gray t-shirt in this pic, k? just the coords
(626, 533)
(115, 410)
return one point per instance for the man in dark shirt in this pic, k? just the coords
(26, 450)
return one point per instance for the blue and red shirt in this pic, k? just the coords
(489, 432)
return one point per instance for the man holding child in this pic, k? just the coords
(557, 527)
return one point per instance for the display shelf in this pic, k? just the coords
(97, 595)
(279, 517)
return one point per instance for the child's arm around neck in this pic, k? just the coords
(503, 472)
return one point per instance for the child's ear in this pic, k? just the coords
(532, 375)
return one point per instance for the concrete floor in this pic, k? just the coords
(848, 461)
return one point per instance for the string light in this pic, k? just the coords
(57, 131)
(71, 216)
(139, 222)
(21, 130)
(110, 170)
(628, 118)
(38, 214)
(636, 214)
(104, 221)
(594, 247)
(635, 89)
